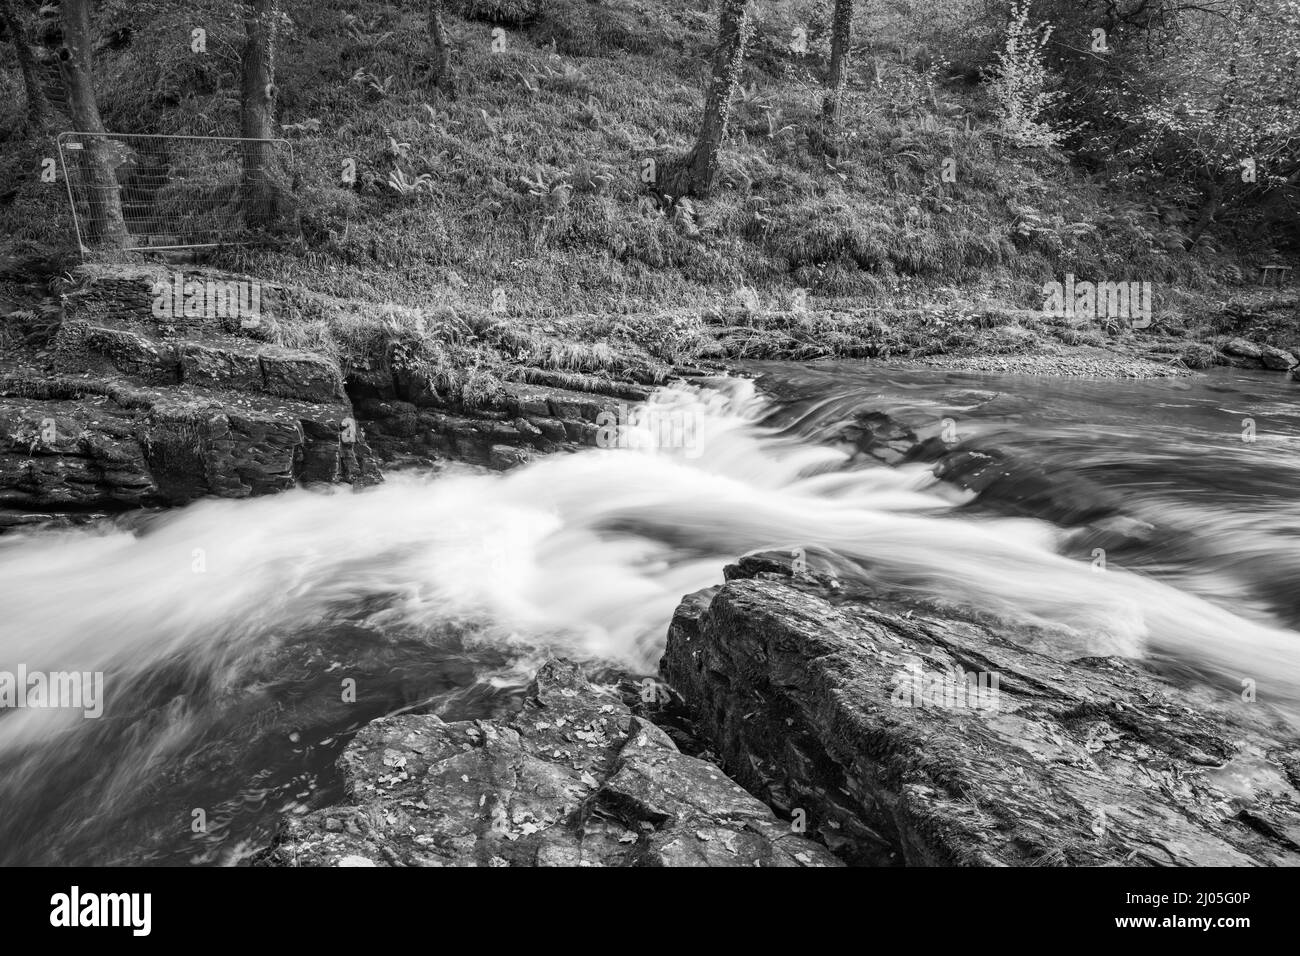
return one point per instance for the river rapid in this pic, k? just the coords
(241, 642)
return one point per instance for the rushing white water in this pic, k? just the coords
(585, 554)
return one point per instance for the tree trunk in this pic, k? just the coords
(1211, 200)
(39, 112)
(257, 112)
(104, 222)
(728, 60)
(441, 43)
(838, 77)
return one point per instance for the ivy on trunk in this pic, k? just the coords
(104, 222)
(257, 112)
(838, 76)
(440, 41)
(728, 61)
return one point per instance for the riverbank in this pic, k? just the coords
(114, 395)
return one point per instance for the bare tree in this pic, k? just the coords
(257, 111)
(39, 112)
(104, 223)
(728, 61)
(838, 77)
(441, 42)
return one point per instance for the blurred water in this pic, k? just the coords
(228, 632)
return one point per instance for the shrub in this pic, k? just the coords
(509, 12)
(1020, 82)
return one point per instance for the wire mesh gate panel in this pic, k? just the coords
(178, 192)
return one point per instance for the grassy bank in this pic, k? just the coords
(531, 238)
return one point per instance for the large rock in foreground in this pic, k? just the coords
(858, 712)
(574, 779)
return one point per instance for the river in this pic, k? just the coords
(242, 642)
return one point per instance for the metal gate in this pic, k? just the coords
(176, 192)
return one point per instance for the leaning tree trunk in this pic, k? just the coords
(728, 60)
(838, 77)
(257, 112)
(39, 112)
(104, 223)
(440, 40)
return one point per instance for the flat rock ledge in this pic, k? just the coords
(110, 407)
(573, 779)
(881, 726)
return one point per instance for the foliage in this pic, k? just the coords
(508, 12)
(1020, 83)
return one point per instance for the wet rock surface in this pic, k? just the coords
(410, 422)
(876, 720)
(573, 779)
